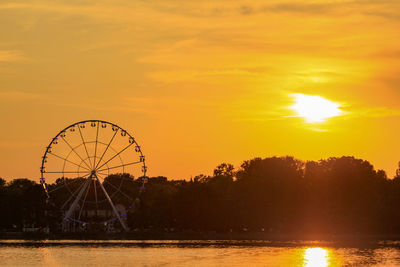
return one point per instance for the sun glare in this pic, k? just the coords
(315, 109)
(316, 257)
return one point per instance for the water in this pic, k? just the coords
(196, 253)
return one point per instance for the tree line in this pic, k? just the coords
(275, 194)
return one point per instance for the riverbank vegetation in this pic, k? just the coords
(277, 195)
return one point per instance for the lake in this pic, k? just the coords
(197, 253)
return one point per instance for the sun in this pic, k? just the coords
(317, 257)
(315, 109)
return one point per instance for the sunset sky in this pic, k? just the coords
(199, 83)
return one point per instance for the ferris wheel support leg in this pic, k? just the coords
(73, 206)
(112, 205)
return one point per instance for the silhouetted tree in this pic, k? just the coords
(25, 203)
(276, 194)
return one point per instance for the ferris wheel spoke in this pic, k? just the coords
(112, 204)
(122, 165)
(75, 152)
(62, 172)
(84, 144)
(77, 199)
(67, 160)
(114, 156)
(95, 194)
(83, 202)
(105, 150)
(117, 189)
(66, 184)
(102, 173)
(75, 220)
(72, 195)
(95, 148)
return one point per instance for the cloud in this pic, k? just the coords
(384, 9)
(378, 112)
(166, 102)
(139, 10)
(171, 76)
(19, 145)
(18, 95)
(141, 105)
(100, 11)
(246, 10)
(389, 53)
(108, 107)
(384, 14)
(11, 56)
(282, 112)
(303, 8)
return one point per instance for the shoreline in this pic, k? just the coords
(200, 236)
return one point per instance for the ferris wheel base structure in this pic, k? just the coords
(67, 216)
(88, 171)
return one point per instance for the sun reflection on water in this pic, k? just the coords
(316, 257)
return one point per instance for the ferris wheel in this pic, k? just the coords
(94, 172)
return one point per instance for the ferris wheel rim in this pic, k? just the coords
(87, 161)
(80, 122)
(85, 121)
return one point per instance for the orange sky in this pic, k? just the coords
(201, 82)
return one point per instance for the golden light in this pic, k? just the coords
(315, 108)
(316, 257)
